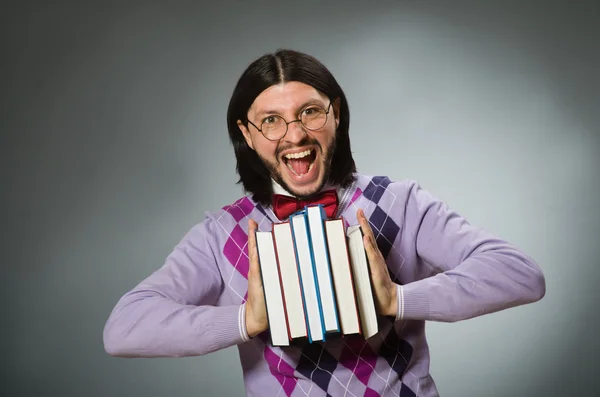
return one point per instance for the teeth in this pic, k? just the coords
(298, 155)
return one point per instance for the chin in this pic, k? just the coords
(306, 191)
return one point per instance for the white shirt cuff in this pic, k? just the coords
(242, 323)
(400, 297)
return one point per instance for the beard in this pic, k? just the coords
(273, 167)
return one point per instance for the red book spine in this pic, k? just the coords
(298, 278)
(287, 323)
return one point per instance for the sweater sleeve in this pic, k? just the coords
(463, 270)
(173, 312)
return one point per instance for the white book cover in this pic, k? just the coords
(342, 276)
(362, 281)
(316, 217)
(272, 289)
(290, 279)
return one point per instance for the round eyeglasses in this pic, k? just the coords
(312, 117)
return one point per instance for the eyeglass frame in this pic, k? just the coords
(287, 123)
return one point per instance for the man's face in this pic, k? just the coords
(299, 161)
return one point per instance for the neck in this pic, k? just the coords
(278, 189)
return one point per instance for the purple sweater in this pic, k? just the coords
(447, 270)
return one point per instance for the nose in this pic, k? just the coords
(295, 133)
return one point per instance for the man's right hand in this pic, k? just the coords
(256, 310)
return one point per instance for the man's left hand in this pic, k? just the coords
(386, 299)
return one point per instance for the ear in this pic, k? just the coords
(246, 134)
(336, 111)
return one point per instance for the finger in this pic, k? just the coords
(374, 257)
(368, 237)
(252, 251)
(383, 269)
(252, 226)
(364, 223)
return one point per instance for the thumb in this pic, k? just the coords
(252, 250)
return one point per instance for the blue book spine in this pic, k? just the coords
(312, 260)
(324, 234)
(307, 319)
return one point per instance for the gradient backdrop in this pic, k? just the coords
(114, 144)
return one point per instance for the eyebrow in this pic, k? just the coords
(305, 104)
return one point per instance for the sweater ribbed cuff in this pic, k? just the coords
(226, 326)
(413, 301)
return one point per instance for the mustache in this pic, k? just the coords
(306, 141)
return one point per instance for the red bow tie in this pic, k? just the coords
(284, 206)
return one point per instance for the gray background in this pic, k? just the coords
(114, 144)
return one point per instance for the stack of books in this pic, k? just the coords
(316, 279)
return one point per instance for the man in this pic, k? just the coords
(288, 120)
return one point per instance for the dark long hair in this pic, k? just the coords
(271, 69)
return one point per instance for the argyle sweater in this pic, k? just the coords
(447, 270)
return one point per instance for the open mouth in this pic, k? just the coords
(300, 163)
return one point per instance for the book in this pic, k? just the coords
(269, 273)
(316, 217)
(290, 280)
(342, 276)
(313, 267)
(308, 278)
(362, 281)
